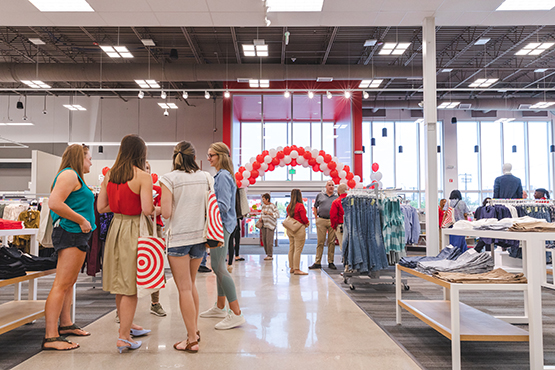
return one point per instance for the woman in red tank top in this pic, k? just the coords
(126, 191)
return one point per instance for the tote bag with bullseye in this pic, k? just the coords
(150, 256)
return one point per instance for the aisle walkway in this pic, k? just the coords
(298, 322)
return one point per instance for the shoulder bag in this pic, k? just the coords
(291, 224)
(449, 216)
(150, 256)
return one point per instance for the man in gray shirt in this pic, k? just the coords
(321, 210)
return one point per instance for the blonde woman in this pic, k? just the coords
(72, 208)
(126, 191)
(184, 205)
(225, 189)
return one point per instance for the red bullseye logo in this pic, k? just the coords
(150, 263)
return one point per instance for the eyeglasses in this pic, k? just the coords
(211, 155)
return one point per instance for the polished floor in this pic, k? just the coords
(294, 322)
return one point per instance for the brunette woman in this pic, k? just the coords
(296, 210)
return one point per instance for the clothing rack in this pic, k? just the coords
(520, 202)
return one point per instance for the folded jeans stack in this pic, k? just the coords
(447, 253)
(470, 262)
(497, 276)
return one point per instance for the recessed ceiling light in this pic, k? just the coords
(394, 48)
(62, 5)
(37, 41)
(540, 70)
(526, 5)
(484, 82)
(447, 70)
(295, 5)
(148, 42)
(482, 41)
(370, 43)
(448, 105)
(535, 48)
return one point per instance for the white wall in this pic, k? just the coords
(44, 168)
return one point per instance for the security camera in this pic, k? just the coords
(44, 111)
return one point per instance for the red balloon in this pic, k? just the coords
(349, 176)
(307, 155)
(242, 169)
(334, 173)
(260, 158)
(301, 151)
(332, 165)
(293, 162)
(271, 166)
(322, 153)
(347, 169)
(254, 174)
(351, 183)
(239, 184)
(287, 150)
(327, 158)
(239, 176)
(275, 161)
(265, 153)
(316, 168)
(312, 161)
(255, 165)
(375, 167)
(252, 181)
(336, 180)
(154, 178)
(105, 170)
(280, 155)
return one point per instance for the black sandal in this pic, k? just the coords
(72, 327)
(56, 339)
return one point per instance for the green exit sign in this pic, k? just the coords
(292, 171)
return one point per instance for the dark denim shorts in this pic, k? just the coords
(62, 239)
(194, 250)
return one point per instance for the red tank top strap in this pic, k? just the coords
(122, 199)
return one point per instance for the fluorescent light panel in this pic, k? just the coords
(148, 84)
(148, 42)
(261, 83)
(368, 43)
(36, 84)
(540, 70)
(535, 48)
(74, 107)
(168, 105)
(447, 70)
(37, 41)
(394, 48)
(116, 51)
(62, 5)
(526, 5)
(542, 105)
(364, 84)
(484, 82)
(482, 41)
(295, 5)
(16, 124)
(448, 105)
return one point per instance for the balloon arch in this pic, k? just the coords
(292, 155)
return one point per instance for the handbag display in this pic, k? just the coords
(449, 217)
(150, 256)
(291, 224)
(213, 227)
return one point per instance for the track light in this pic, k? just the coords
(365, 95)
(166, 113)
(310, 94)
(287, 94)
(141, 94)
(163, 95)
(347, 95)
(227, 95)
(206, 95)
(185, 94)
(329, 95)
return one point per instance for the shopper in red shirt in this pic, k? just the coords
(297, 210)
(336, 213)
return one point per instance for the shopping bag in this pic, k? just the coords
(150, 256)
(448, 217)
(291, 224)
(213, 226)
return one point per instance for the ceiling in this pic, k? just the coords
(208, 37)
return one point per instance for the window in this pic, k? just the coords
(384, 151)
(538, 143)
(467, 158)
(406, 135)
(513, 139)
(490, 152)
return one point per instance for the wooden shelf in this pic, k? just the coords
(475, 325)
(30, 276)
(17, 313)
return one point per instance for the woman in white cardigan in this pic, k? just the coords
(269, 216)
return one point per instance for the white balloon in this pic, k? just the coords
(264, 167)
(247, 174)
(324, 166)
(342, 174)
(267, 159)
(287, 159)
(279, 148)
(305, 164)
(359, 185)
(248, 166)
(381, 184)
(301, 160)
(294, 154)
(335, 159)
(340, 166)
(326, 171)
(378, 176)
(314, 153)
(272, 152)
(307, 149)
(260, 172)
(373, 176)
(245, 183)
(356, 178)
(319, 159)
(343, 181)
(252, 160)
(281, 163)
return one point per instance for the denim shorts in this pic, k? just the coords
(62, 239)
(194, 250)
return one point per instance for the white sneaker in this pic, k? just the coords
(231, 321)
(214, 312)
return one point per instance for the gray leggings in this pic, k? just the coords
(225, 284)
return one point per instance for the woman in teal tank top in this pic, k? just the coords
(72, 209)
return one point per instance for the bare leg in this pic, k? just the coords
(65, 316)
(126, 309)
(70, 261)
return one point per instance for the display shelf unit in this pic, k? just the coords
(457, 321)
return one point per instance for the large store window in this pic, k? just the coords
(490, 152)
(514, 149)
(467, 155)
(538, 154)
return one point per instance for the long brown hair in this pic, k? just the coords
(296, 197)
(73, 157)
(184, 157)
(224, 160)
(132, 153)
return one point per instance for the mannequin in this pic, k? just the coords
(507, 186)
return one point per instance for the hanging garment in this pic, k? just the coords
(393, 229)
(31, 220)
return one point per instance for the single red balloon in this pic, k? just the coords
(242, 169)
(275, 161)
(154, 178)
(307, 155)
(271, 166)
(265, 153)
(334, 173)
(252, 181)
(327, 158)
(239, 176)
(322, 153)
(239, 184)
(375, 167)
(301, 151)
(336, 180)
(349, 176)
(332, 165)
(293, 162)
(312, 161)
(254, 174)
(255, 165)
(351, 183)
(287, 150)
(280, 155)
(260, 158)
(347, 169)
(316, 168)
(105, 170)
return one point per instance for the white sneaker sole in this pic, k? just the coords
(231, 327)
(213, 315)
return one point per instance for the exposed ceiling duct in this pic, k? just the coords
(483, 104)
(124, 72)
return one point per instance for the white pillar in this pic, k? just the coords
(430, 121)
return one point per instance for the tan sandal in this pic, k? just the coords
(187, 347)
